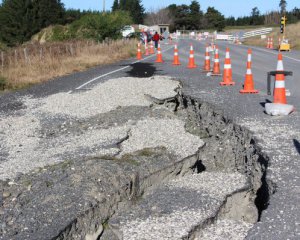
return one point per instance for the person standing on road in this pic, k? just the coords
(156, 38)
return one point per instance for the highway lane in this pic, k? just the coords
(263, 61)
(194, 80)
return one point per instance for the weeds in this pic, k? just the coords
(38, 63)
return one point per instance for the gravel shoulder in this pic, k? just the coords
(71, 155)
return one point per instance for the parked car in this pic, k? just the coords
(127, 31)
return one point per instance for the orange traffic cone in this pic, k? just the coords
(279, 42)
(191, 58)
(151, 48)
(216, 68)
(176, 57)
(139, 52)
(268, 43)
(159, 55)
(206, 66)
(227, 73)
(271, 43)
(249, 83)
(279, 90)
(146, 49)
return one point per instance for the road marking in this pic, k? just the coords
(117, 70)
(263, 50)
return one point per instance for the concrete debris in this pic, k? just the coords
(277, 109)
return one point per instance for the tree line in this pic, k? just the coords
(21, 19)
(269, 18)
(192, 17)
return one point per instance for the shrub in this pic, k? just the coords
(99, 26)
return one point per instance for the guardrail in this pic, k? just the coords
(257, 32)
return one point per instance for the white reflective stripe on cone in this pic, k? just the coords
(217, 60)
(280, 66)
(249, 58)
(279, 84)
(227, 66)
(207, 58)
(191, 55)
(176, 53)
(249, 71)
(227, 55)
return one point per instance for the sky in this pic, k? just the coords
(236, 8)
(228, 8)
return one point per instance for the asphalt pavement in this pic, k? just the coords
(278, 136)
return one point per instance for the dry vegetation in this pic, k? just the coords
(37, 63)
(292, 33)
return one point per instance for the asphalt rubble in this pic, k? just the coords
(156, 165)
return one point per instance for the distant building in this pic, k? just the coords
(161, 28)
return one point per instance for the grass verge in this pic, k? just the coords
(292, 34)
(35, 63)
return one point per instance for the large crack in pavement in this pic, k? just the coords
(118, 160)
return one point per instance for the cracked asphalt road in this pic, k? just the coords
(278, 136)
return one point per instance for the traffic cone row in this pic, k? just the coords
(146, 49)
(270, 44)
(216, 68)
(192, 58)
(176, 56)
(159, 55)
(279, 90)
(206, 67)
(227, 72)
(249, 83)
(248, 87)
(151, 48)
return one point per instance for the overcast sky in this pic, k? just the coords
(234, 8)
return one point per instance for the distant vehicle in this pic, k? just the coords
(127, 31)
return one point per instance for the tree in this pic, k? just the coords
(256, 19)
(15, 20)
(230, 21)
(282, 5)
(272, 18)
(44, 16)
(134, 7)
(115, 6)
(20, 19)
(99, 26)
(71, 15)
(182, 17)
(159, 16)
(195, 15)
(214, 19)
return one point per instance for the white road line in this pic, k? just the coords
(117, 70)
(275, 53)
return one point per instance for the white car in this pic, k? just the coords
(127, 31)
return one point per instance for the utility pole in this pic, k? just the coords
(103, 5)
